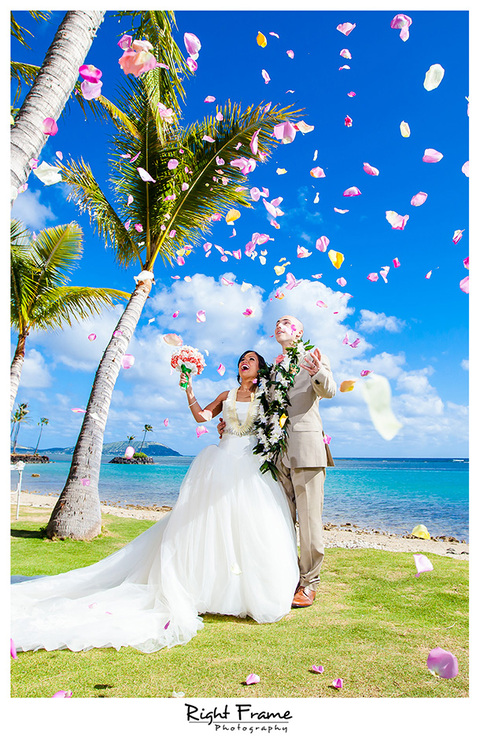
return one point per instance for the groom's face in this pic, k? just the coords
(287, 329)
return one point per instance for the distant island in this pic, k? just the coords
(151, 449)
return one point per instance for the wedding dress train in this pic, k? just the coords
(227, 547)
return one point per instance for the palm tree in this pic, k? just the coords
(20, 416)
(43, 422)
(51, 89)
(41, 299)
(146, 428)
(170, 207)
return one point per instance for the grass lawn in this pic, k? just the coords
(373, 624)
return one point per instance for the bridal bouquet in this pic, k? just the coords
(188, 360)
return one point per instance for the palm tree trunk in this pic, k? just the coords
(38, 440)
(77, 513)
(51, 89)
(16, 368)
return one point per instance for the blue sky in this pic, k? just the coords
(412, 330)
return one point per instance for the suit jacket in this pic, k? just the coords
(305, 445)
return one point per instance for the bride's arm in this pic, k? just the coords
(198, 412)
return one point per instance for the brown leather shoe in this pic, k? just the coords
(303, 597)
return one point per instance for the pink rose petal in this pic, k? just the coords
(419, 199)
(422, 563)
(352, 192)
(173, 340)
(192, 44)
(302, 252)
(341, 281)
(396, 221)
(337, 683)
(466, 169)
(318, 668)
(192, 64)
(396, 262)
(322, 243)
(201, 316)
(172, 164)
(209, 99)
(442, 663)
(89, 72)
(466, 262)
(85, 482)
(252, 679)
(254, 142)
(403, 22)
(346, 54)
(346, 28)
(129, 452)
(339, 210)
(428, 275)
(201, 430)
(348, 121)
(290, 54)
(221, 369)
(50, 128)
(464, 284)
(431, 156)
(373, 277)
(128, 360)
(457, 235)
(265, 76)
(91, 90)
(79, 410)
(321, 304)
(13, 651)
(285, 132)
(92, 337)
(351, 94)
(370, 170)
(63, 694)
(317, 172)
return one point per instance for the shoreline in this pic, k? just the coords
(347, 536)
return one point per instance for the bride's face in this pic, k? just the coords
(248, 366)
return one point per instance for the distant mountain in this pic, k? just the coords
(152, 448)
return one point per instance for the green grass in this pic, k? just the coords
(373, 624)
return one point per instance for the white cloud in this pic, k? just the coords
(465, 364)
(28, 209)
(371, 321)
(35, 372)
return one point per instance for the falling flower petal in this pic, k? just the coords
(290, 53)
(370, 170)
(339, 210)
(336, 258)
(201, 316)
(422, 563)
(421, 532)
(128, 360)
(252, 679)
(396, 221)
(285, 132)
(303, 127)
(337, 683)
(261, 40)
(129, 452)
(265, 76)
(352, 192)
(322, 243)
(302, 252)
(457, 235)
(192, 64)
(192, 44)
(396, 262)
(466, 169)
(345, 66)
(317, 668)
(48, 174)
(346, 54)
(466, 262)
(89, 72)
(433, 77)
(341, 281)
(403, 22)
(346, 28)
(419, 199)
(172, 164)
(405, 129)
(464, 284)
(317, 172)
(209, 99)
(144, 175)
(221, 369)
(351, 94)
(364, 373)
(173, 339)
(63, 694)
(254, 142)
(50, 128)
(91, 90)
(79, 410)
(428, 275)
(92, 337)
(377, 394)
(373, 276)
(232, 216)
(348, 121)
(201, 430)
(347, 385)
(442, 663)
(13, 651)
(431, 156)
(321, 304)
(281, 171)
(117, 333)
(248, 312)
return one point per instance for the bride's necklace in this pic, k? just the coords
(234, 425)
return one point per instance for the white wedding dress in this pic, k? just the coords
(227, 547)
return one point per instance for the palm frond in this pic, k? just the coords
(23, 74)
(66, 304)
(19, 33)
(103, 109)
(89, 197)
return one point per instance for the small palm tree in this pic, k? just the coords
(20, 416)
(43, 422)
(146, 428)
(40, 296)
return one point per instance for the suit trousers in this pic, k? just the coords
(304, 490)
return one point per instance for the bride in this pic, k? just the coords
(227, 547)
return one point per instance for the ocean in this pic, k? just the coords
(391, 495)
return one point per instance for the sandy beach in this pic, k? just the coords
(348, 535)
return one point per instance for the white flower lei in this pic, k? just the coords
(272, 421)
(233, 424)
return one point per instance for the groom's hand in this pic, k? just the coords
(221, 427)
(312, 362)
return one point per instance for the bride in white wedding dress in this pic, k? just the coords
(227, 547)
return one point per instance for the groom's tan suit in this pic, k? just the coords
(302, 467)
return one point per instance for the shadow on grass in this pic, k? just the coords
(25, 534)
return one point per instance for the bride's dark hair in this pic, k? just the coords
(261, 361)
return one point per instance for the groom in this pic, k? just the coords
(302, 468)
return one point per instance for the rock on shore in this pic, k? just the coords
(29, 458)
(138, 460)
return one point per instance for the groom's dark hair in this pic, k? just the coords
(261, 361)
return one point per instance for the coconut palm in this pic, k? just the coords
(41, 299)
(43, 422)
(20, 416)
(146, 428)
(157, 208)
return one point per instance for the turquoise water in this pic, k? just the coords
(386, 494)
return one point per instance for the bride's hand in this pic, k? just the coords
(185, 379)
